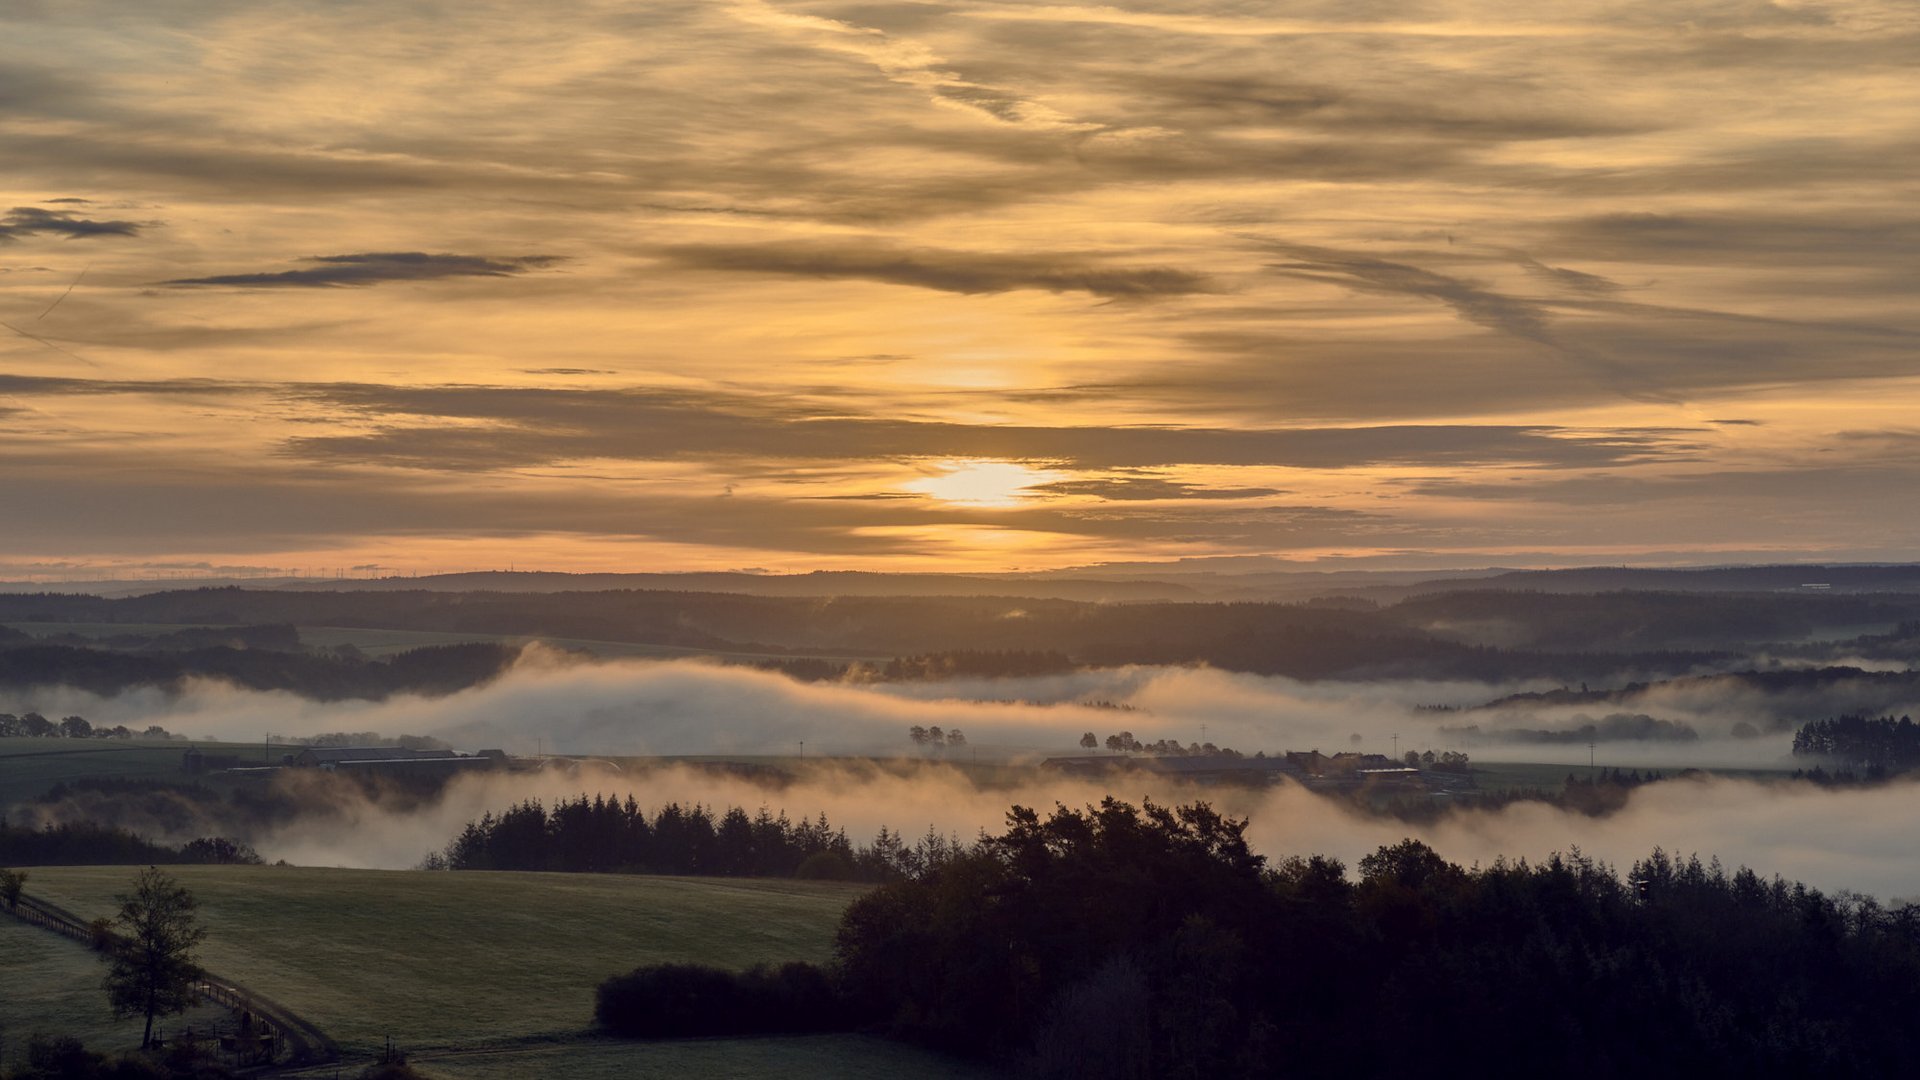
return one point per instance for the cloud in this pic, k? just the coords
(544, 425)
(1514, 316)
(60, 386)
(1844, 237)
(374, 268)
(24, 221)
(257, 509)
(969, 273)
(1576, 280)
(1142, 488)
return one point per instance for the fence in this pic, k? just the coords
(273, 1024)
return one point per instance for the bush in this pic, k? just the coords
(392, 1070)
(11, 882)
(62, 1057)
(679, 1000)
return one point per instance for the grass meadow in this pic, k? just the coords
(450, 960)
(51, 984)
(28, 767)
(474, 975)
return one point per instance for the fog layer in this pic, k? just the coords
(1859, 839)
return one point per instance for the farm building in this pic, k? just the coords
(390, 759)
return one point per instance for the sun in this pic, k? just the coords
(981, 482)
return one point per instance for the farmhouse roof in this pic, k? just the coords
(324, 755)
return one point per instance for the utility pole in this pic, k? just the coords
(1396, 746)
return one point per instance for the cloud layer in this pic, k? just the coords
(1410, 282)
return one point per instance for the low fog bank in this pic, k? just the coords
(1847, 838)
(688, 707)
(1854, 838)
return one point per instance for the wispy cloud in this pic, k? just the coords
(971, 273)
(25, 221)
(522, 427)
(1147, 488)
(374, 268)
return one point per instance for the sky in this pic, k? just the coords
(415, 286)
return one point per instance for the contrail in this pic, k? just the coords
(48, 344)
(64, 295)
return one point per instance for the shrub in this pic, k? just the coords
(678, 1000)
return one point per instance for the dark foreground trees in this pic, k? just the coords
(1154, 942)
(152, 970)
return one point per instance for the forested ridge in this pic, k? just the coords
(1298, 640)
(1123, 942)
(433, 669)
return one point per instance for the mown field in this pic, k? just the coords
(451, 964)
(51, 984)
(29, 767)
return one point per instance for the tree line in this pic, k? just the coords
(32, 725)
(604, 835)
(1881, 746)
(1151, 942)
(332, 676)
(1026, 634)
(86, 843)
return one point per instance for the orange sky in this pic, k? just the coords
(955, 285)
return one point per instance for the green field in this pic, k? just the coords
(479, 975)
(450, 960)
(29, 767)
(51, 984)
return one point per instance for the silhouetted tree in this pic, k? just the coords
(152, 970)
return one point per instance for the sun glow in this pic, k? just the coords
(981, 482)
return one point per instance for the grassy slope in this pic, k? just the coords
(454, 959)
(29, 767)
(50, 984)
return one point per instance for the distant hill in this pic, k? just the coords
(1792, 577)
(1184, 581)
